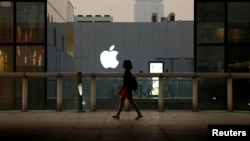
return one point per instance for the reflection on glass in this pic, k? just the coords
(238, 58)
(210, 59)
(6, 22)
(210, 23)
(30, 58)
(6, 59)
(30, 22)
(177, 88)
(70, 40)
(238, 22)
(144, 87)
(219, 33)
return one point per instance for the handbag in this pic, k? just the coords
(134, 84)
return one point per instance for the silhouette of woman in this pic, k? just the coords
(126, 91)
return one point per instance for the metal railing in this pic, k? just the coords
(59, 75)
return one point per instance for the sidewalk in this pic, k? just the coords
(45, 125)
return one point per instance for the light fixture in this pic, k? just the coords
(80, 89)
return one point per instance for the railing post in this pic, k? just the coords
(93, 94)
(195, 94)
(24, 93)
(59, 93)
(229, 94)
(160, 100)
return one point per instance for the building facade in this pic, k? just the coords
(221, 44)
(22, 47)
(26, 45)
(169, 42)
(23, 36)
(42, 36)
(145, 10)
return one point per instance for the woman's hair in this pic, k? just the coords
(127, 64)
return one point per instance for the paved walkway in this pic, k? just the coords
(69, 125)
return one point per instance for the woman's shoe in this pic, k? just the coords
(116, 117)
(138, 117)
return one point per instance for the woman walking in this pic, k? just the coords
(126, 91)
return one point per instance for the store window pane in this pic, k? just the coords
(241, 91)
(183, 65)
(212, 94)
(239, 22)
(238, 58)
(210, 23)
(6, 58)
(30, 58)
(30, 22)
(210, 59)
(6, 22)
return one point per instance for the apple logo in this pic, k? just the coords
(108, 58)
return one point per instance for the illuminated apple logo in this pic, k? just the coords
(108, 58)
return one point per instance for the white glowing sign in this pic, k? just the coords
(108, 58)
(155, 67)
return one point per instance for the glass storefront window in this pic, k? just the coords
(238, 22)
(210, 23)
(210, 59)
(30, 58)
(211, 55)
(212, 94)
(30, 22)
(238, 58)
(6, 59)
(241, 97)
(6, 22)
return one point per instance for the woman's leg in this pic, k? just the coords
(121, 105)
(131, 100)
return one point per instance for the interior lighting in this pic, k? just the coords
(219, 33)
(236, 34)
(5, 4)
